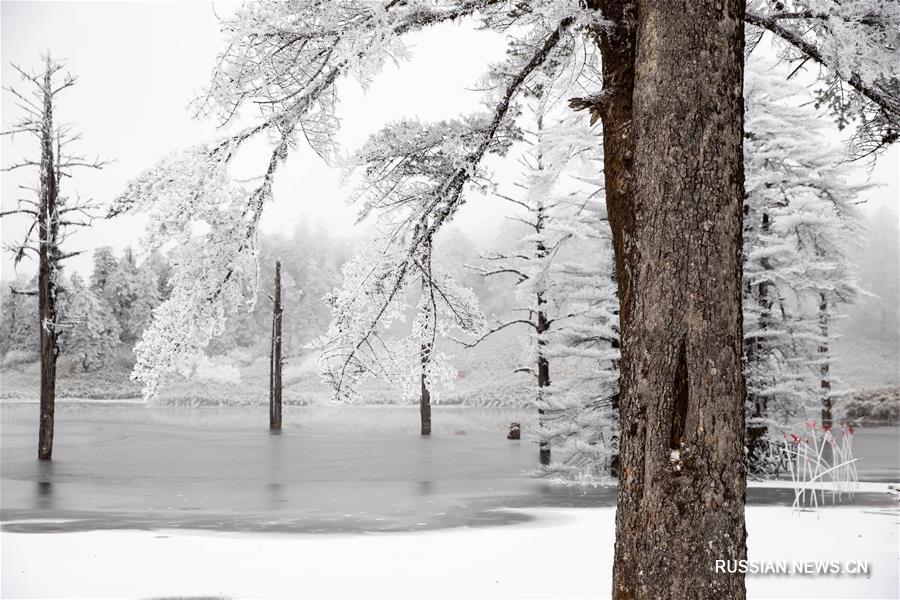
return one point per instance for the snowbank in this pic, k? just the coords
(564, 553)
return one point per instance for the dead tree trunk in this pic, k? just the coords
(672, 112)
(542, 324)
(824, 362)
(758, 352)
(51, 217)
(275, 363)
(48, 227)
(425, 397)
(426, 346)
(543, 377)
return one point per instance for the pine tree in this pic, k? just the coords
(550, 289)
(91, 331)
(800, 224)
(18, 327)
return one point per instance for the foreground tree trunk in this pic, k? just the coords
(672, 113)
(275, 385)
(48, 227)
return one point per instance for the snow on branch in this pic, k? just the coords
(856, 41)
(425, 170)
(283, 59)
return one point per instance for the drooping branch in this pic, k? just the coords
(445, 196)
(881, 94)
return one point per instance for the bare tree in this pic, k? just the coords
(52, 218)
(275, 356)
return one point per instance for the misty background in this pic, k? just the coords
(132, 103)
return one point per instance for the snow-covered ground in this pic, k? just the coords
(564, 553)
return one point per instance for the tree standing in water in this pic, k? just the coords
(51, 218)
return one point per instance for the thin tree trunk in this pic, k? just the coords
(824, 362)
(542, 324)
(543, 377)
(48, 226)
(672, 113)
(276, 361)
(425, 397)
(425, 349)
(758, 352)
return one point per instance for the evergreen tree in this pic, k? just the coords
(18, 327)
(105, 266)
(91, 332)
(800, 224)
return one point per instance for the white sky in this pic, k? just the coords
(139, 64)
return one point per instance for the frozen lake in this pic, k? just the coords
(332, 469)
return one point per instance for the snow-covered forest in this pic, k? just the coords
(614, 279)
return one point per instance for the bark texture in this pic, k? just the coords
(672, 112)
(48, 226)
(275, 383)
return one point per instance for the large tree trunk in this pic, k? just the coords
(48, 226)
(275, 385)
(673, 113)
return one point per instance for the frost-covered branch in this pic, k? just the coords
(856, 41)
(283, 59)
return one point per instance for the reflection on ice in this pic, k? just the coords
(154, 468)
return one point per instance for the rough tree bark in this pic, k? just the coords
(48, 227)
(275, 360)
(672, 112)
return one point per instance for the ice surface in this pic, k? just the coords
(222, 470)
